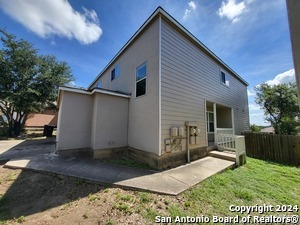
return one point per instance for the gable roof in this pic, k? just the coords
(160, 11)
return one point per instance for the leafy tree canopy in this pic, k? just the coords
(255, 128)
(28, 81)
(280, 105)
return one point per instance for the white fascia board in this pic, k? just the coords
(159, 10)
(182, 28)
(76, 90)
(80, 91)
(189, 34)
(110, 93)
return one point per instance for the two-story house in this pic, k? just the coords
(161, 100)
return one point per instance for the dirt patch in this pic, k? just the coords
(29, 197)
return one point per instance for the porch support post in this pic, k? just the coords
(232, 121)
(215, 123)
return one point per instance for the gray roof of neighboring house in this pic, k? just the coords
(267, 130)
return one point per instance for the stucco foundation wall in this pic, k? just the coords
(110, 121)
(75, 118)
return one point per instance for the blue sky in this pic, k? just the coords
(251, 36)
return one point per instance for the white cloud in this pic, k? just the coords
(257, 114)
(72, 83)
(235, 20)
(49, 17)
(258, 119)
(192, 5)
(232, 10)
(189, 10)
(53, 43)
(250, 93)
(283, 78)
(254, 107)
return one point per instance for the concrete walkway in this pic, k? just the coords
(171, 182)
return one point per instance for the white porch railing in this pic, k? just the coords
(233, 143)
(224, 130)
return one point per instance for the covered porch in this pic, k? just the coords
(221, 134)
(219, 120)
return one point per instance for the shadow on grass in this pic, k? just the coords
(33, 192)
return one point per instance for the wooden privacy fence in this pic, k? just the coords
(283, 149)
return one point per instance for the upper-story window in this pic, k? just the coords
(141, 74)
(224, 78)
(115, 73)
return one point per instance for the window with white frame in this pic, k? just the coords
(224, 78)
(141, 74)
(115, 73)
(210, 122)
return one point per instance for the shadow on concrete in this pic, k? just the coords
(48, 181)
(33, 192)
(14, 149)
(61, 180)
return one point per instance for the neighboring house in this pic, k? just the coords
(139, 104)
(268, 130)
(38, 120)
(293, 9)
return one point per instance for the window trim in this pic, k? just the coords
(226, 77)
(208, 122)
(144, 78)
(114, 69)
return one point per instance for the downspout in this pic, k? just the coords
(187, 141)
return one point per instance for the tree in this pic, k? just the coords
(280, 105)
(28, 82)
(254, 128)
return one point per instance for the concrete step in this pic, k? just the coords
(222, 155)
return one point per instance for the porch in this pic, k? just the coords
(222, 141)
(219, 119)
(230, 147)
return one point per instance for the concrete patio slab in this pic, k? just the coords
(171, 182)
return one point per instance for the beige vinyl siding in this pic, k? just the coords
(143, 115)
(189, 77)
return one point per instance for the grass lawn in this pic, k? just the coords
(257, 182)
